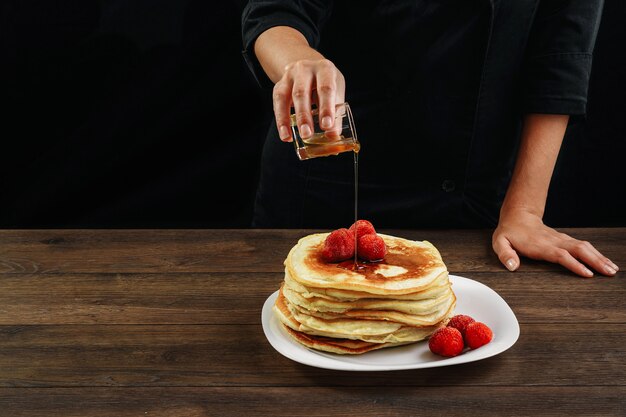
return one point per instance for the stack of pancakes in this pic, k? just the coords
(332, 307)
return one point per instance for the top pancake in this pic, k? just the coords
(409, 266)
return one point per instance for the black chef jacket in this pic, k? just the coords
(438, 89)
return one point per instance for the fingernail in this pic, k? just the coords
(283, 132)
(615, 267)
(305, 131)
(511, 264)
(609, 269)
(587, 272)
(327, 122)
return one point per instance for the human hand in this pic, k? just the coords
(521, 232)
(304, 83)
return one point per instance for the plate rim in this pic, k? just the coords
(327, 360)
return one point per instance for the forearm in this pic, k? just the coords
(280, 46)
(542, 136)
(521, 230)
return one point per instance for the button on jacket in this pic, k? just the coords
(438, 90)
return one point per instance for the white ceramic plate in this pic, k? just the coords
(473, 298)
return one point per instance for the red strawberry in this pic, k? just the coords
(477, 334)
(362, 227)
(460, 322)
(338, 246)
(371, 248)
(446, 341)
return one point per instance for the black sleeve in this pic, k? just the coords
(558, 56)
(306, 16)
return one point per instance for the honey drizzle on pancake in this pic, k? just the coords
(416, 261)
(355, 266)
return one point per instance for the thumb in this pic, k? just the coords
(507, 255)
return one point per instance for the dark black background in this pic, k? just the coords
(142, 113)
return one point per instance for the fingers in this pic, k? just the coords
(607, 261)
(563, 257)
(301, 97)
(306, 82)
(281, 100)
(326, 93)
(295, 87)
(507, 255)
(585, 252)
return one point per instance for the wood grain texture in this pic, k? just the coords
(236, 298)
(314, 402)
(167, 323)
(176, 251)
(239, 355)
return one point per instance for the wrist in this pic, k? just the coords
(281, 46)
(520, 209)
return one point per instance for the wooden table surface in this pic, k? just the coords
(168, 323)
